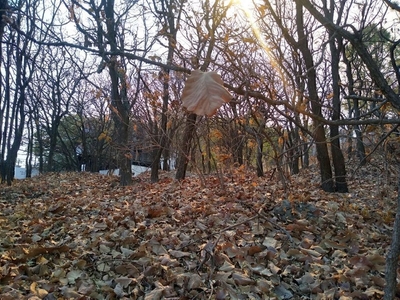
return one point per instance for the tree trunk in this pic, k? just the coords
(17, 116)
(208, 149)
(12, 159)
(306, 156)
(294, 152)
(259, 162)
(39, 139)
(394, 251)
(121, 120)
(5, 111)
(125, 153)
(29, 150)
(319, 132)
(183, 158)
(169, 18)
(4, 106)
(360, 149)
(338, 161)
(337, 155)
(323, 159)
(166, 158)
(162, 132)
(160, 138)
(119, 101)
(12, 153)
(237, 146)
(52, 132)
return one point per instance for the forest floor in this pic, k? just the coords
(237, 236)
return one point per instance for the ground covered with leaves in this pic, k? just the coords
(82, 236)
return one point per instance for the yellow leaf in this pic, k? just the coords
(42, 293)
(33, 287)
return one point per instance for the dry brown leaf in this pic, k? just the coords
(204, 93)
(195, 282)
(179, 254)
(86, 288)
(155, 294)
(226, 267)
(242, 279)
(109, 228)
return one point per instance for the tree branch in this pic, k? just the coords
(361, 49)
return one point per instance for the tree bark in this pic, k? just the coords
(23, 78)
(294, 150)
(162, 132)
(29, 152)
(360, 149)
(187, 138)
(356, 41)
(319, 131)
(335, 43)
(3, 11)
(260, 169)
(169, 18)
(119, 101)
(213, 19)
(392, 257)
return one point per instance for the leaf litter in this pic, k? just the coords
(81, 236)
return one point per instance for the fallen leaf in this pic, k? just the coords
(195, 282)
(242, 279)
(73, 275)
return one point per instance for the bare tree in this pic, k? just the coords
(57, 80)
(387, 89)
(206, 27)
(335, 45)
(168, 13)
(106, 31)
(17, 74)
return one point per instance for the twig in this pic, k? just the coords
(212, 290)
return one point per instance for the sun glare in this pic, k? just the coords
(247, 7)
